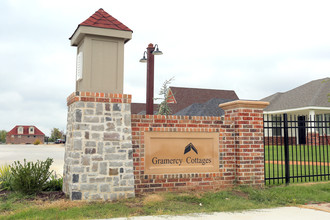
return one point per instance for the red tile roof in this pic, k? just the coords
(102, 19)
(14, 131)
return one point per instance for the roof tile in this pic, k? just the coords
(14, 131)
(103, 20)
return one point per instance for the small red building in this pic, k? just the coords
(24, 134)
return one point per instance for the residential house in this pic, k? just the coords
(23, 134)
(192, 101)
(307, 105)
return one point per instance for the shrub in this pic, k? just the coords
(36, 142)
(54, 184)
(30, 177)
(5, 178)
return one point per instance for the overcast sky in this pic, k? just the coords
(256, 48)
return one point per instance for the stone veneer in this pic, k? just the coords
(98, 152)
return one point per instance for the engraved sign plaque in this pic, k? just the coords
(181, 152)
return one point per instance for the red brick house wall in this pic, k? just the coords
(24, 139)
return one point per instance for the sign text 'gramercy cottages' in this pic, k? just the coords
(181, 152)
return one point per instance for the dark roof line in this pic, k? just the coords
(314, 93)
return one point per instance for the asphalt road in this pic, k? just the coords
(12, 152)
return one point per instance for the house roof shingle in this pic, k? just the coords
(187, 96)
(14, 131)
(209, 108)
(140, 108)
(314, 93)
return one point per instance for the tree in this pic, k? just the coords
(56, 134)
(164, 108)
(3, 135)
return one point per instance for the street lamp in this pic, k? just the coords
(151, 51)
(143, 59)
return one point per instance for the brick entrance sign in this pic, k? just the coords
(111, 154)
(239, 150)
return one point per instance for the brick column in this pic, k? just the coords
(246, 117)
(98, 162)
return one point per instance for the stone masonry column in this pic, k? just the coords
(247, 119)
(98, 154)
(98, 163)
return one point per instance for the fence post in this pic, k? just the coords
(286, 149)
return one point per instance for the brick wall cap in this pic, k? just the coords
(98, 97)
(244, 104)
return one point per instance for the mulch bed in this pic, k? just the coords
(44, 196)
(50, 196)
(3, 193)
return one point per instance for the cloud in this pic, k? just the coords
(256, 48)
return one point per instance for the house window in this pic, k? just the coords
(20, 130)
(323, 124)
(19, 136)
(31, 130)
(327, 123)
(276, 124)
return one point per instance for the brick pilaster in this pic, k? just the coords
(244, 119)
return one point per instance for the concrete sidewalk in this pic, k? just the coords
(284, 213)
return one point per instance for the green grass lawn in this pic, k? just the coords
(298, 153)
(303, 156)
(298, 173)
(15, 206)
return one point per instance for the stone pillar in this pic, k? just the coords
(246, 117)
(98, 155)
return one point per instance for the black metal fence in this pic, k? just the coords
(297, 148)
